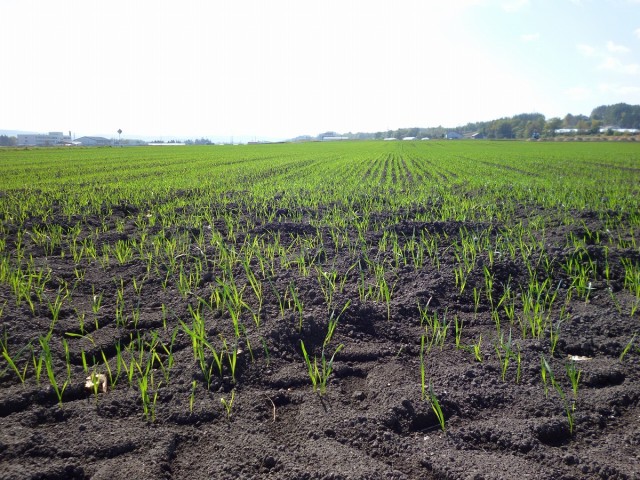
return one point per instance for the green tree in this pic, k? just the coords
(552, 125)
(595, 127)
(7, 141)
(583, 125)
(620, 115)
(504, 129)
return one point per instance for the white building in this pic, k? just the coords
(333, 138)
(618, 130)
(42, 140)
(94, 141)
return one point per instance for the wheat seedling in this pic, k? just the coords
(228, 404)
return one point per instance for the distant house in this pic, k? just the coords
(408, 138)
(478, 136)
(390, 139)
(453, 136)
(94, 141)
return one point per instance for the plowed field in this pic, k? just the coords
(467, 310)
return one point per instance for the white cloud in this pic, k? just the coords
(530, 37)
(586, 50)
(615, 65)
(614, 48)
(610, 58)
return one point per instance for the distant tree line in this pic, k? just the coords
(7, 141)
(621, 115)
(524, 125)
(199, 141)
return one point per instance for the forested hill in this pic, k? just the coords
(620, 115)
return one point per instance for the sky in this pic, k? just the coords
(283, 68)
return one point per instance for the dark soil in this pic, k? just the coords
(372, 422)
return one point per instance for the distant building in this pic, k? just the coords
(408, 138)
(618, 130)
(333, 138)
(390, 139)
(453, 136)
(43, 140)
(94, 141)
